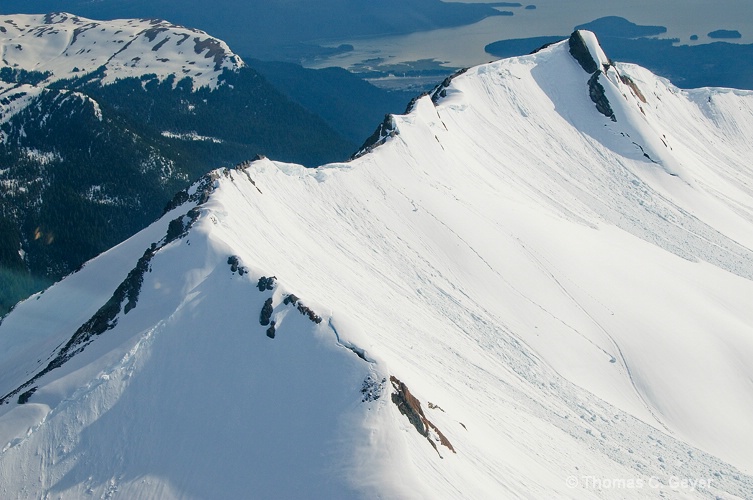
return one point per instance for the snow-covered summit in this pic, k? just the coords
(63, 46)
(36, 51)
(512, 294)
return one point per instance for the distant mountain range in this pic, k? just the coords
(535, 283)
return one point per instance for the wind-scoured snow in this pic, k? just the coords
(566, 296)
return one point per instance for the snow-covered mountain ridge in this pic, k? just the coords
(553, 292)
(63, 46)
(103, 121)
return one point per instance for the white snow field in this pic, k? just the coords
(568, 298)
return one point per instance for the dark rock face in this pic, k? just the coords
(412, 102)
(266, 312)
(306, 311)
(384, 131)
(235, 265)
(312, 316)
(266, 283)
(290, 299)
(205, 187)
(598, 96)
(265, 318)
(179, 227)
(440, 91)
(152, 33)
(630, 83)
(271, 330)
(579, 50)
(104, 319)
(411, 408)
(215, 51)
(180, 198)
(24, 398)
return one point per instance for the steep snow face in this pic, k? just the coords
(67, 46)
(514, 295)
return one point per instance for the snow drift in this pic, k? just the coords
(535, 284)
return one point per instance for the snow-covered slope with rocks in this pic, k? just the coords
(537, 283)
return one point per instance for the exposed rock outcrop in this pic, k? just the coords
(598, 96)
(266, 312)
(204, 187)
(634, 87)
(411, 408)
(235, 265)
(271, 330)
(178, 227)
(384, 131)
(266, 283)
(579, 51)
(306, 311)
(24, 398)
(440, 91)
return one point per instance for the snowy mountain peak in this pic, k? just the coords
(40, 49)
(509, 295)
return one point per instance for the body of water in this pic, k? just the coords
(464, 46)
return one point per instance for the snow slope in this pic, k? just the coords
(565, 291)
